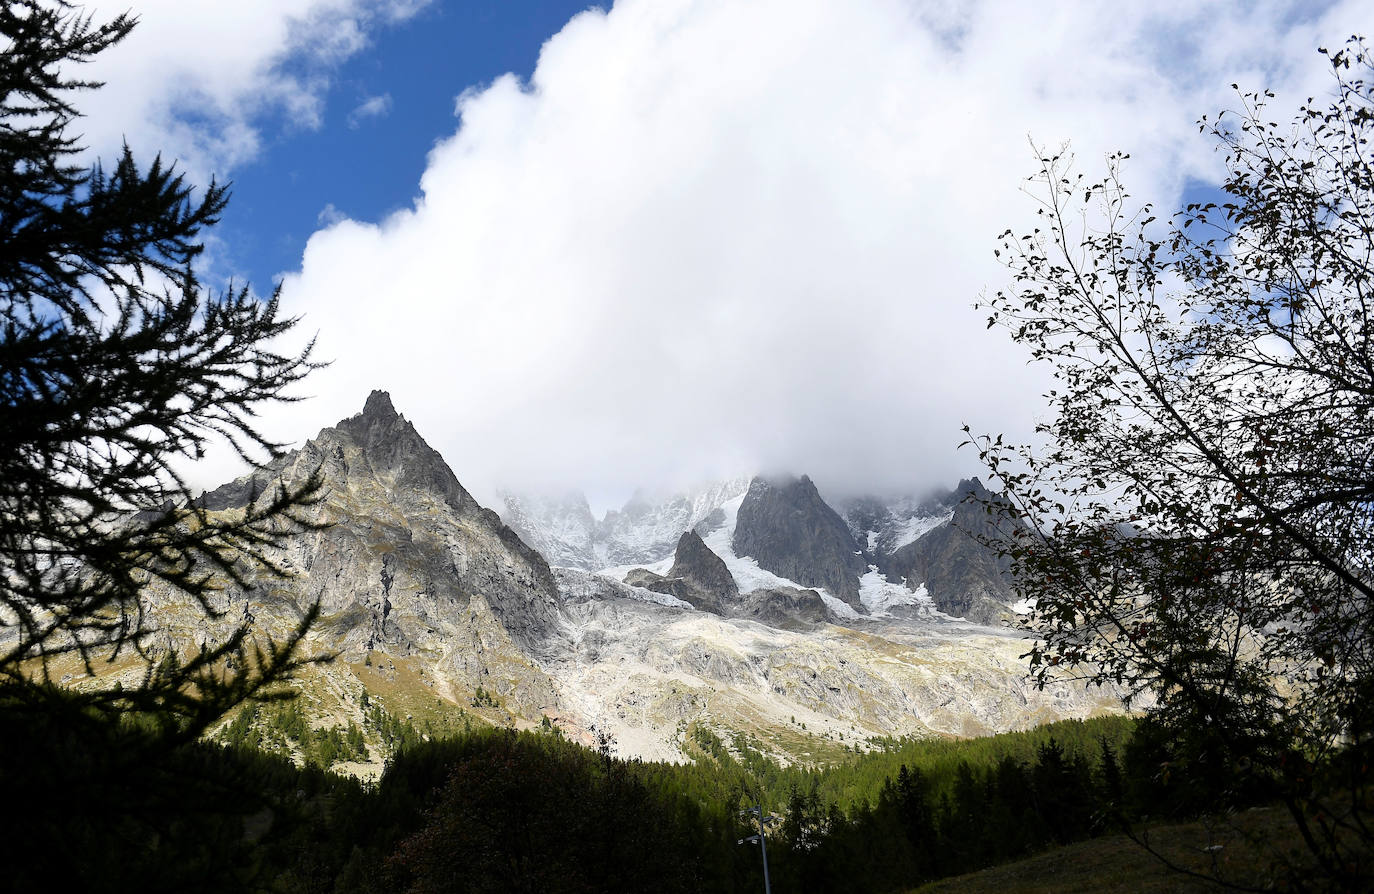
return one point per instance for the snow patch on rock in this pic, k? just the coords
(837, 606)
(911, 529)
(879, 595)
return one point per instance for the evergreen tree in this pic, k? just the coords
(1111, 787)
(117, 369)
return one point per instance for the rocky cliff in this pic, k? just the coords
(405, 555)
(697, 576)
(786, 527)
(962, 574)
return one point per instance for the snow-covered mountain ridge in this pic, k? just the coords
(894, 543)
(643, 532)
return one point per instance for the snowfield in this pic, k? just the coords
(878, 594)
(916, 527)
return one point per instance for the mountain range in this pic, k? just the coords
(751, 606)
(932, 546)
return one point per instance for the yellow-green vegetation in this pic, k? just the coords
(282, 727)
(805, 748)
(356, 720)
(406, 687)
(854, 778)
(939, 758)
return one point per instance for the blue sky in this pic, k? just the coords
(665, 241)
(366, 166)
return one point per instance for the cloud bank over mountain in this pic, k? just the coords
(711, 237)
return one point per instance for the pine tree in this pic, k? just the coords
(118, 368)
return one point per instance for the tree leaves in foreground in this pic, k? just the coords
(1203, 503)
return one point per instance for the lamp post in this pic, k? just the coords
(763, 820)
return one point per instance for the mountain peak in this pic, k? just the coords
(695, 562)
(787, 527)
(379, 405)
(781, 480)
(390, 443)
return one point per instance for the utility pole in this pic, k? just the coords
(757, 812)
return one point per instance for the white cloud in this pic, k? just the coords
(194, 78)
(713, 236)
(372, 107)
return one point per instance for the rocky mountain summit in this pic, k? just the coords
(963, 576)
(940, 543)
(789, 530)
(403, 543)
(434, 607)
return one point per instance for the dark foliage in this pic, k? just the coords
(116, 366)
(497, 810)
(1202, 511)
(493, 809)
(102, 806)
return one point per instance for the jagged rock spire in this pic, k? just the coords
(379, 405)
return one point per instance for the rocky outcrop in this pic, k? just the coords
(698, 576)
(786, 608)
(963, 575)
(694, 562)
(403, 548)
(789, 530)
(643, 577)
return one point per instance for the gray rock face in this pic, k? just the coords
(786, 608)
(695, 563)
(698, 576)
(407, 548)
(643, 577)
(883, 526)
(789, 530)
(963, 575)
(867, 518)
